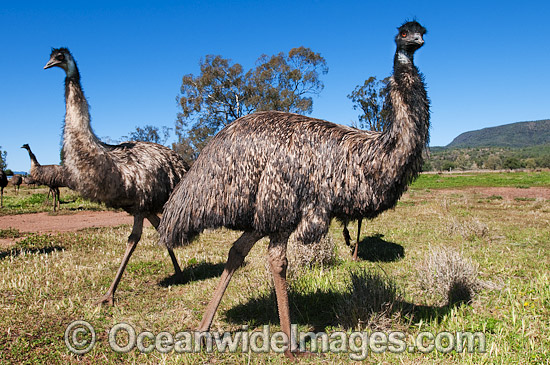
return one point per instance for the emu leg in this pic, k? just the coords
(133, 240)
(346, 235)
(358, 238)
(2, 198)
(58, 194)
(155, 221)
(276, 253)
(236, 256)
(54, 198)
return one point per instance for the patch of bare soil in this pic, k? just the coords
(513, 193)
(45, 223)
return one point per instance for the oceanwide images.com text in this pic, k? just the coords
(80, 338)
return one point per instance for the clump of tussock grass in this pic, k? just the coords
(302, 256)
(10, 233)
(469, 229)
(371, 302)
(449, 276)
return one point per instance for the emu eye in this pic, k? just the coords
(403, 34)
(60, 57)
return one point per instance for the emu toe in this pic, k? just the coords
(106, 300)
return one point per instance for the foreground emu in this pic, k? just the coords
(53, 176)
(274, 173)
(135, 176)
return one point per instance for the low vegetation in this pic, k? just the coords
(489, 158)
(442, 241)
(35, 200)
(482, 179)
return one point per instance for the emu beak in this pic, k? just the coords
(51, 63)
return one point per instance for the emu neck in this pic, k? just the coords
(410, 107)
(408, 133)
(79, 138)
(34, 161)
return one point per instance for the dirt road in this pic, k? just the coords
(42, 222)
(45, 223)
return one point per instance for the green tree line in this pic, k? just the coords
(489, 158)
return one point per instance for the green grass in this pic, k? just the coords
(486, 179)
(35, 200)
(48, 281)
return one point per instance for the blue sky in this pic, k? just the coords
(485, 62)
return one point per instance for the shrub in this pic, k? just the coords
(449, 276)
(469, 229)
(302, 256)
(369, 303)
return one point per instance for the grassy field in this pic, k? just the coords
(484, 179)
(49, 281)
(35, 200)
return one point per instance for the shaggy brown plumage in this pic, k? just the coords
(3, 184)
(273, 173)
(53, 176)
(135, 176)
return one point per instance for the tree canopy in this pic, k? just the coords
(3, 156)
(223, 92)
(149, 133)
(370, 98)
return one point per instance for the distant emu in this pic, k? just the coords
(16, 181)
(53, 176)
(275, 173)
(135, 176)
(3, 184)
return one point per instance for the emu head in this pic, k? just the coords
(410, 37)
(61, 57)
(26, 146)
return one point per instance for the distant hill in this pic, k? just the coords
(522, 134)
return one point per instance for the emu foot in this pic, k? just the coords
(107, 299)
(295, 355)
(178, 276)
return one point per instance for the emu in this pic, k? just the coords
(16, 181)
(275, 173)
(3, 184)
(137, 177)
(53, 176)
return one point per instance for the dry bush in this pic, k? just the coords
(370, 302)
(302, 256)
(469, 229)
(449, 276)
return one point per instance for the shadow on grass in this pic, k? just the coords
(16, 251)
(375, 249)
(323, 309)
(195, 272)
(313, 309)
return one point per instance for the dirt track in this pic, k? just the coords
(42, 222)
(45, 223)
